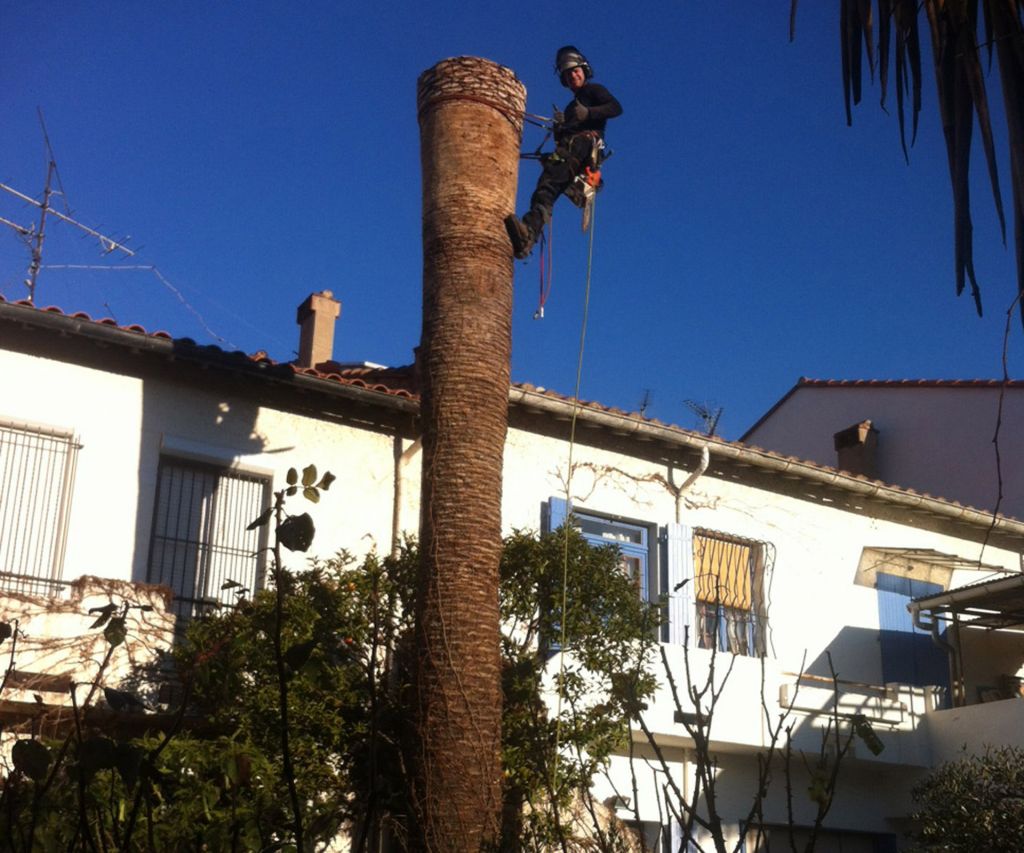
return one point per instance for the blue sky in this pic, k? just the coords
(257, 152)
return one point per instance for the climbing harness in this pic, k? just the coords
(582, 192)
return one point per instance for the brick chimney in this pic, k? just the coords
(855, 447)
(316, 318)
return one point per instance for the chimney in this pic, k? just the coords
(316, 318)
(855, 447)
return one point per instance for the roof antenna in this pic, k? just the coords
(34, 236)
(707, 413)
(645, 402)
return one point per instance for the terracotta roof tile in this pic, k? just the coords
(807, 382)
(384, 380)
(401, 382)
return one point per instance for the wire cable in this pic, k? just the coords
(568, 497)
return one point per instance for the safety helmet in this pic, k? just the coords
(569, 57)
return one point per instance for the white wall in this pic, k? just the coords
(815, 607)
(124, 423)
(956, 731)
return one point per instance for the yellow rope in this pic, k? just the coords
(568, 500)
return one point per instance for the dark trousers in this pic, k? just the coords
(570, 158)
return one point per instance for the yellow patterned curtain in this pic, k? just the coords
(724, 571)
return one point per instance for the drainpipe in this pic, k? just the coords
(951, 649)
(402, 459)
(702, 466)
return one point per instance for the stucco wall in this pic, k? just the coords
(932, 439)
(815, 607)
(124, 424)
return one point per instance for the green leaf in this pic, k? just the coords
(311, 494)
(129, 762)
(231, 769)
(817, 791)
(309, 475)
(264, 517)
(115, 632)
(296, 532)
(326, 480)
(291, 490)
(229, 584)
(122, 700)
(297, 655)
(31, 758)
(95, 754)
(105, 613)
(5, 631)
(863, 729)
(293, 477)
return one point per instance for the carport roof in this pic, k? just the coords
(990, 604)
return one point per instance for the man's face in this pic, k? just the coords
(575, 78)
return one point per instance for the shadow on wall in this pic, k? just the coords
(200, 482)
(856, 656)
(204, 473)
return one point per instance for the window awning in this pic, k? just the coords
(989, 604)
(924, 564)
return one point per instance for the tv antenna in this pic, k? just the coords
(708, 414)
(645, 402)
(35, 235)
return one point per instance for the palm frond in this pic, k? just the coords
(1003, 27)
(960, 87)
(885, 12)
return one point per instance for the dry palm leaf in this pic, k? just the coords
(960, 86)
(1003, 27)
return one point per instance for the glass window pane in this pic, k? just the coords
(199, 541)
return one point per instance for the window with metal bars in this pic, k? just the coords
(37, 476)
(199, 541)
(729, 592)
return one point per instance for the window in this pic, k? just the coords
(711, 585)
(632, 540)
(728, 588)
(37, 475)
(199, 538)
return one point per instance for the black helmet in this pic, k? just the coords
(569, 57)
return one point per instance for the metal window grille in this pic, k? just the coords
(729, 575)
(199, 539)
(37, 475)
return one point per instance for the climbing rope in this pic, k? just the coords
(568, 501)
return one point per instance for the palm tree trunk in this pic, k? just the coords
(470, 113)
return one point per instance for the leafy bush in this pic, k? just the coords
(975, 803)
(221, 782)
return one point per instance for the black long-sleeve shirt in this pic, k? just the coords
(601, 105)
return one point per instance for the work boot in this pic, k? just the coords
(521, 235)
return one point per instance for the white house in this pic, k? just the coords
(139, 458)
(935, 436)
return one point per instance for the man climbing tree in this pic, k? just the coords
(579, 139)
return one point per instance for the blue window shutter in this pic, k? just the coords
(554, 514)
(909, 656)
(680, 582)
